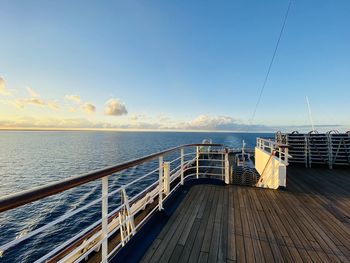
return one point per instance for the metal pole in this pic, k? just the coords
(227, 167)
(310, 115)
(166, 178)
(280, 154)
(105, 219)
(160, 185)
(182, 165)
(197, 162)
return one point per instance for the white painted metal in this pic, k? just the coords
(182, 151)
(126, 219)
(160, 184)
(105, 219)
(227, 168)
(197, 162)
(271, 162)
(166, 179)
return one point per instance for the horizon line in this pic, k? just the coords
(126, 130)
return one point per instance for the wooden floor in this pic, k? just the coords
(308, 222)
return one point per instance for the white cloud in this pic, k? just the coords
(72, 109)
(53, 105)
(24, 102)
(3, 90)
(115, 107)
(84, 106)
(216, 123)
(137, 117)
(31, 92)
(48, 122)
(208, 122)
(88, 108)
(21, 103)
(74, 98)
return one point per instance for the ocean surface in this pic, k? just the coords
(32, 158)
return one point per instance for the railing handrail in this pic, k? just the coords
(24, 197)
(273, 142)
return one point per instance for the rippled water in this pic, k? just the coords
(29, 159)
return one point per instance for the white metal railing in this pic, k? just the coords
(163, 181)
(269, 145)
(271, 160)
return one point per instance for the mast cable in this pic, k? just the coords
(271, 62)
(310, 115)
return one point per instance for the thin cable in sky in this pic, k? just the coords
(271, 62)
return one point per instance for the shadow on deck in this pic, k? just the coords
(307, 222)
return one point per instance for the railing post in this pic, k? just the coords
(197, 162)
(286, 156)
(166, 178)
(126, 219)
(280, 154)
(182, 152)
(160, 184)
(104, 219)
(227, 167)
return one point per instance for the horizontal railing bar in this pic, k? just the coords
(82, 245)
(190, 153)
(115, 249)
(213, 153)
(178, 158)
(214, 167)
(212, 174)
(212, 160)
(268, 141)
(44, 227)
(143, 191)
(140, 178)
(28, 196)
(63, 245)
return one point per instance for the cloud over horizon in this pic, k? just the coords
(85, 107)
(200, 123)
(3, 89)
(74, 98)
(32, 93)
(114, 107)
(88, 107)
(21, 103)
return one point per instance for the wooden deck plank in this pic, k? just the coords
(308, 222)
(315, 212)
(172, 225)
(210, 225)
(223, 242)
(196, 249)
(258, 253)
(185, 255)
(306, 251)
(185, 223)
(231, 242)
(240, 249)
(215, 239)
(259, 228)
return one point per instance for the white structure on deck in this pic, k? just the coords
(271, 161)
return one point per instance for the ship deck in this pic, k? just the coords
(307, 222)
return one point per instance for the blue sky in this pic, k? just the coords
(173, 64)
